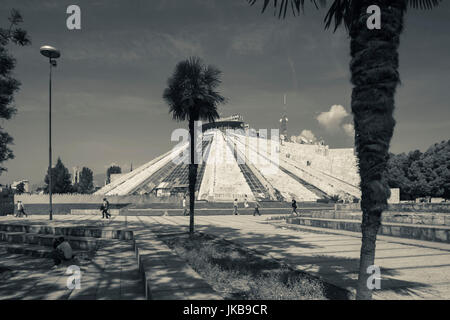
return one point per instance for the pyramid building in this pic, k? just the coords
(238, 162)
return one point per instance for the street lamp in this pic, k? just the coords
(52, 54)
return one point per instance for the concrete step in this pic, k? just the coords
(110, 273)
(35, 250)
(81, 243)
(113, 212)
(75, 231)
(411, 231)
(206, 212)
(434, 219)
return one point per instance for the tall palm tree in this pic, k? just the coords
(374, 75)
(191, 95)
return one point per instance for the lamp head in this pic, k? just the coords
(50, 52)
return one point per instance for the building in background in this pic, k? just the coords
(237, 165)
(26, 185)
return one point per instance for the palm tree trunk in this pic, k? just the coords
(192, 177)
(374, 69)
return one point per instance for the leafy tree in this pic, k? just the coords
(20, 188)
(61, 179)
(9, 85)
(191, 95)
(112, 170)
(374, 75)
(86, 183)
(421, 174)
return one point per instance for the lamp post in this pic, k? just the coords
(52, 54)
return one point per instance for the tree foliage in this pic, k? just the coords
(191, 91)
(112, 170)
(8, 84)
(86, 183)
(420, 174)
(61, 179)
(340, 12)
(20, 188)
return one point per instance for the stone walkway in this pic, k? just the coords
(410, 269)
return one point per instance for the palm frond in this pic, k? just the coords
(191, 91)
(424, 4)
(281, 6)
(341, 12)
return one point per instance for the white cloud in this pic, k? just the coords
(331, 120)
(306, 136)
(349, 129)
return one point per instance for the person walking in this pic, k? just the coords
(256, 209)
(20, 210)
(105, 209)
(246, 202)
(235, 206)
(184, 206)
(294, 207)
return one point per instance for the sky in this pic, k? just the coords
(108, 85)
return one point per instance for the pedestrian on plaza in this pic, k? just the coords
(235, 206)
(246, 202)
(185, 212)
(294, 207)
(105, 209)
(20, 209)
(256, 209)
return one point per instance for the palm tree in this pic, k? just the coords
(374, 75)
(191, 95)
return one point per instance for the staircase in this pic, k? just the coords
(425, 226)
(104, 256)
(37, 240)
(114, 263)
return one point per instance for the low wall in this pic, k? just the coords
(113, 212)
(64, 208)
(427, 233)
(425, 218)
(65, 203)
(402, 207)
(93, 198)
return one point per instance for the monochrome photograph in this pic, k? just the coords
(225, 154)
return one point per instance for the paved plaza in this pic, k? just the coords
(410, 269)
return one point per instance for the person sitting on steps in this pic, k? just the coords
(62, 251)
